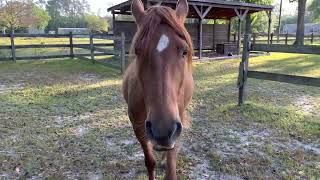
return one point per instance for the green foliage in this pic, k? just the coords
(259, 20)
(95, 23)
(15, 14)
(66, 13)
(262, 2)
(42, 17)
(314, 9)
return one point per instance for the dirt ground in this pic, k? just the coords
(67, 120)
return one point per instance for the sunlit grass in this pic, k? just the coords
(63, 112)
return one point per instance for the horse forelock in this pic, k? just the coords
(154, 17)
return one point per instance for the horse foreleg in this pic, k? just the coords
(149, 159)
(172, 163)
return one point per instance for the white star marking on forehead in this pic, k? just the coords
(163, 43)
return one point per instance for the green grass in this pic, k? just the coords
(67, 119)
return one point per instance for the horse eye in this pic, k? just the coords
(184, 53)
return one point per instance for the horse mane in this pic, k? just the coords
(155, 16)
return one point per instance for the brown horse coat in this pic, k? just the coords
(158, 84)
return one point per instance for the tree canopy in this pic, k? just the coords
(95, 23)
(15, 14)
(314, 9)
(41, 16)
(67, 13)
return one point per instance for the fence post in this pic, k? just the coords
(123, 52)
(271, 40)
(243, 69)
(91, 47)
(312, 38)
(234, 37)
(286, 39)
(254, 38)
(71, 45)
(13, 49)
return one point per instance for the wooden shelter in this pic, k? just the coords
(204, 36)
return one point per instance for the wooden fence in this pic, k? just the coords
(97, 49)
(245, 73)
(283, 38)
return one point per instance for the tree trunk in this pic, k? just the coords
(300, 23)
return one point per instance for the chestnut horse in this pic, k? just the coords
(158, 84)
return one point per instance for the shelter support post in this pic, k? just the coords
(213, 35)
(239, 36)
(229, 29)
(202, 14)
(113, 22)
(241, 15)
(279, 23)
(123, 52)
(200, 38)
(269, 26)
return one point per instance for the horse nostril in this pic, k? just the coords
(176, 130)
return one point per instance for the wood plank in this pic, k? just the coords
(42, 46)
(305, 49)
(5, 47)
(52, 56)
(96, 36)
(96, 45)
(36, 35)
(42, 57)
(56, 46)
(300, 80)
(123, 52)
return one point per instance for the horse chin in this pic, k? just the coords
(163, 148)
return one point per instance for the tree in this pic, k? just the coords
(15, 14)
(41, 16)
(314, 9)
(66, 13)
(300, 21)
(95, 23)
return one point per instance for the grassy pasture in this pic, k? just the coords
(67, 119)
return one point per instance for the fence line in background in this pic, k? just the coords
(245, 73)
(91, 47)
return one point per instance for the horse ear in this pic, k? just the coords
(182, 10)
(137, 10)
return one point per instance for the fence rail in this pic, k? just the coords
(96, 49)
(305, 49)
(245, 73)
(283, 38)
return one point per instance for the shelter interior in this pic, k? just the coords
(214, 38)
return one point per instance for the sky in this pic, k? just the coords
(100, 6)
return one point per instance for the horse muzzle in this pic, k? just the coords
(163, 139)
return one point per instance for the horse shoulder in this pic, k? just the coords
(132, 90)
